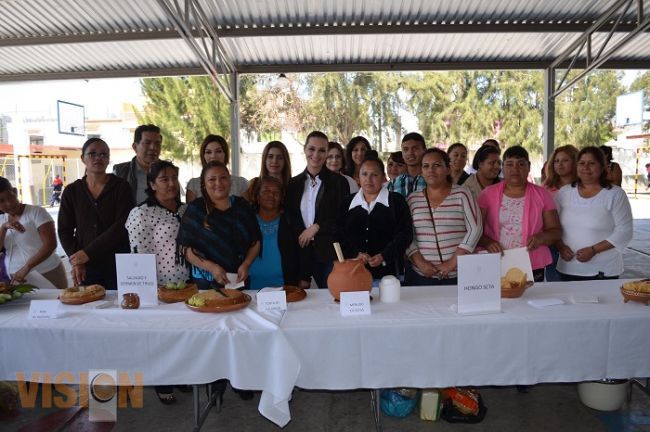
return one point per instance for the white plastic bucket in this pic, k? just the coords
(605, 395)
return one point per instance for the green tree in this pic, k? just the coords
(186, 109)
(584, 112)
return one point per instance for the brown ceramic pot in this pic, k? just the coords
(349, 275)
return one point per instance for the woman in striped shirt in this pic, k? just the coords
(446, 223)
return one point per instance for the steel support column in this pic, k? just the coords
(549, 112)
(234, 123)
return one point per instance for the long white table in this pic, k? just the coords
(419, 342)
(168, 344)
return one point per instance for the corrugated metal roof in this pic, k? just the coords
(77, 38)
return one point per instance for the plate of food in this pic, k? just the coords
(10, 292)
(82, 294)
(176, 292)
(638, 291)
(514, 283)
(294, 293)
(218, 300)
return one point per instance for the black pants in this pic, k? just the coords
(573, 278)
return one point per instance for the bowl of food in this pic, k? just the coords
(82, 294)
(514, 283)
(174, 292)
(637, 291)
(218, 300)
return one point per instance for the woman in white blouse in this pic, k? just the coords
(596, 222)
(153, 226)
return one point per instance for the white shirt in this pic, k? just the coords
(360, 201)
(308, 200)
(354, 187)
(22, 246)
(587, 221)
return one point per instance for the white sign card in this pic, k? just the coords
(355, 303)
(136, 273)
(271, 300)
(41, 309)
(479, 284)
(517, 258)
(232, 281)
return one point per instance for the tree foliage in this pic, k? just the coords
(585, 111)
(187, 109)
(465, 106)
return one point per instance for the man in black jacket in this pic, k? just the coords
(147, 142)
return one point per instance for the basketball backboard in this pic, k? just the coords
(71, 118)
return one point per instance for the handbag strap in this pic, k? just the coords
(433, 223)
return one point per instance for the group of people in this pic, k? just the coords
(412, 220)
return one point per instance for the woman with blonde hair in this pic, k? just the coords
(215, 147)
(275, 163)
(561, 168)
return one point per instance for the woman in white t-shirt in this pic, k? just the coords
(596, 222)
(28, 236)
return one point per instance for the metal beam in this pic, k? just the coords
(311, 68)
(549, 113)
(583, 45)
(234, 123)
(433, 28)
(317, 30)
(188, 17)
(96, 74)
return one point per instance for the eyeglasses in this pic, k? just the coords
(95, 155)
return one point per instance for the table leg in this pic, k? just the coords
(375, 408)
(645, 388)
(200, 414)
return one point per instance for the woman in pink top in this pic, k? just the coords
(517, 213)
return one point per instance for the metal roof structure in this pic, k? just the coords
(51, 39)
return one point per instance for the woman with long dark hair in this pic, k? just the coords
(91, 220)
(597, 222)
(354, 155)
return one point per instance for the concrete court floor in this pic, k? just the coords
(547, 407)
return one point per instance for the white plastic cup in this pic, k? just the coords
(389, 289)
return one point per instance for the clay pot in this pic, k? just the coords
(349, 275)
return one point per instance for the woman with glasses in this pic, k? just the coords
(91, 220)
(446, 224)
(517, 213)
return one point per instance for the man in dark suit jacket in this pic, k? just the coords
(317, 254)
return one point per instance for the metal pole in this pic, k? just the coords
(234, 123)
(549, 112)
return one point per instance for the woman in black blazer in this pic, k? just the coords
(311, 204)
(374, 224)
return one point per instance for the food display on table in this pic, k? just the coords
(10, 292)
(514, 283)
(176, 292)
(218, 300)
(638, 291)
(294, 293)
(82, 294)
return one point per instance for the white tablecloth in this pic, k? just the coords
(169, 344)
(421, 342)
